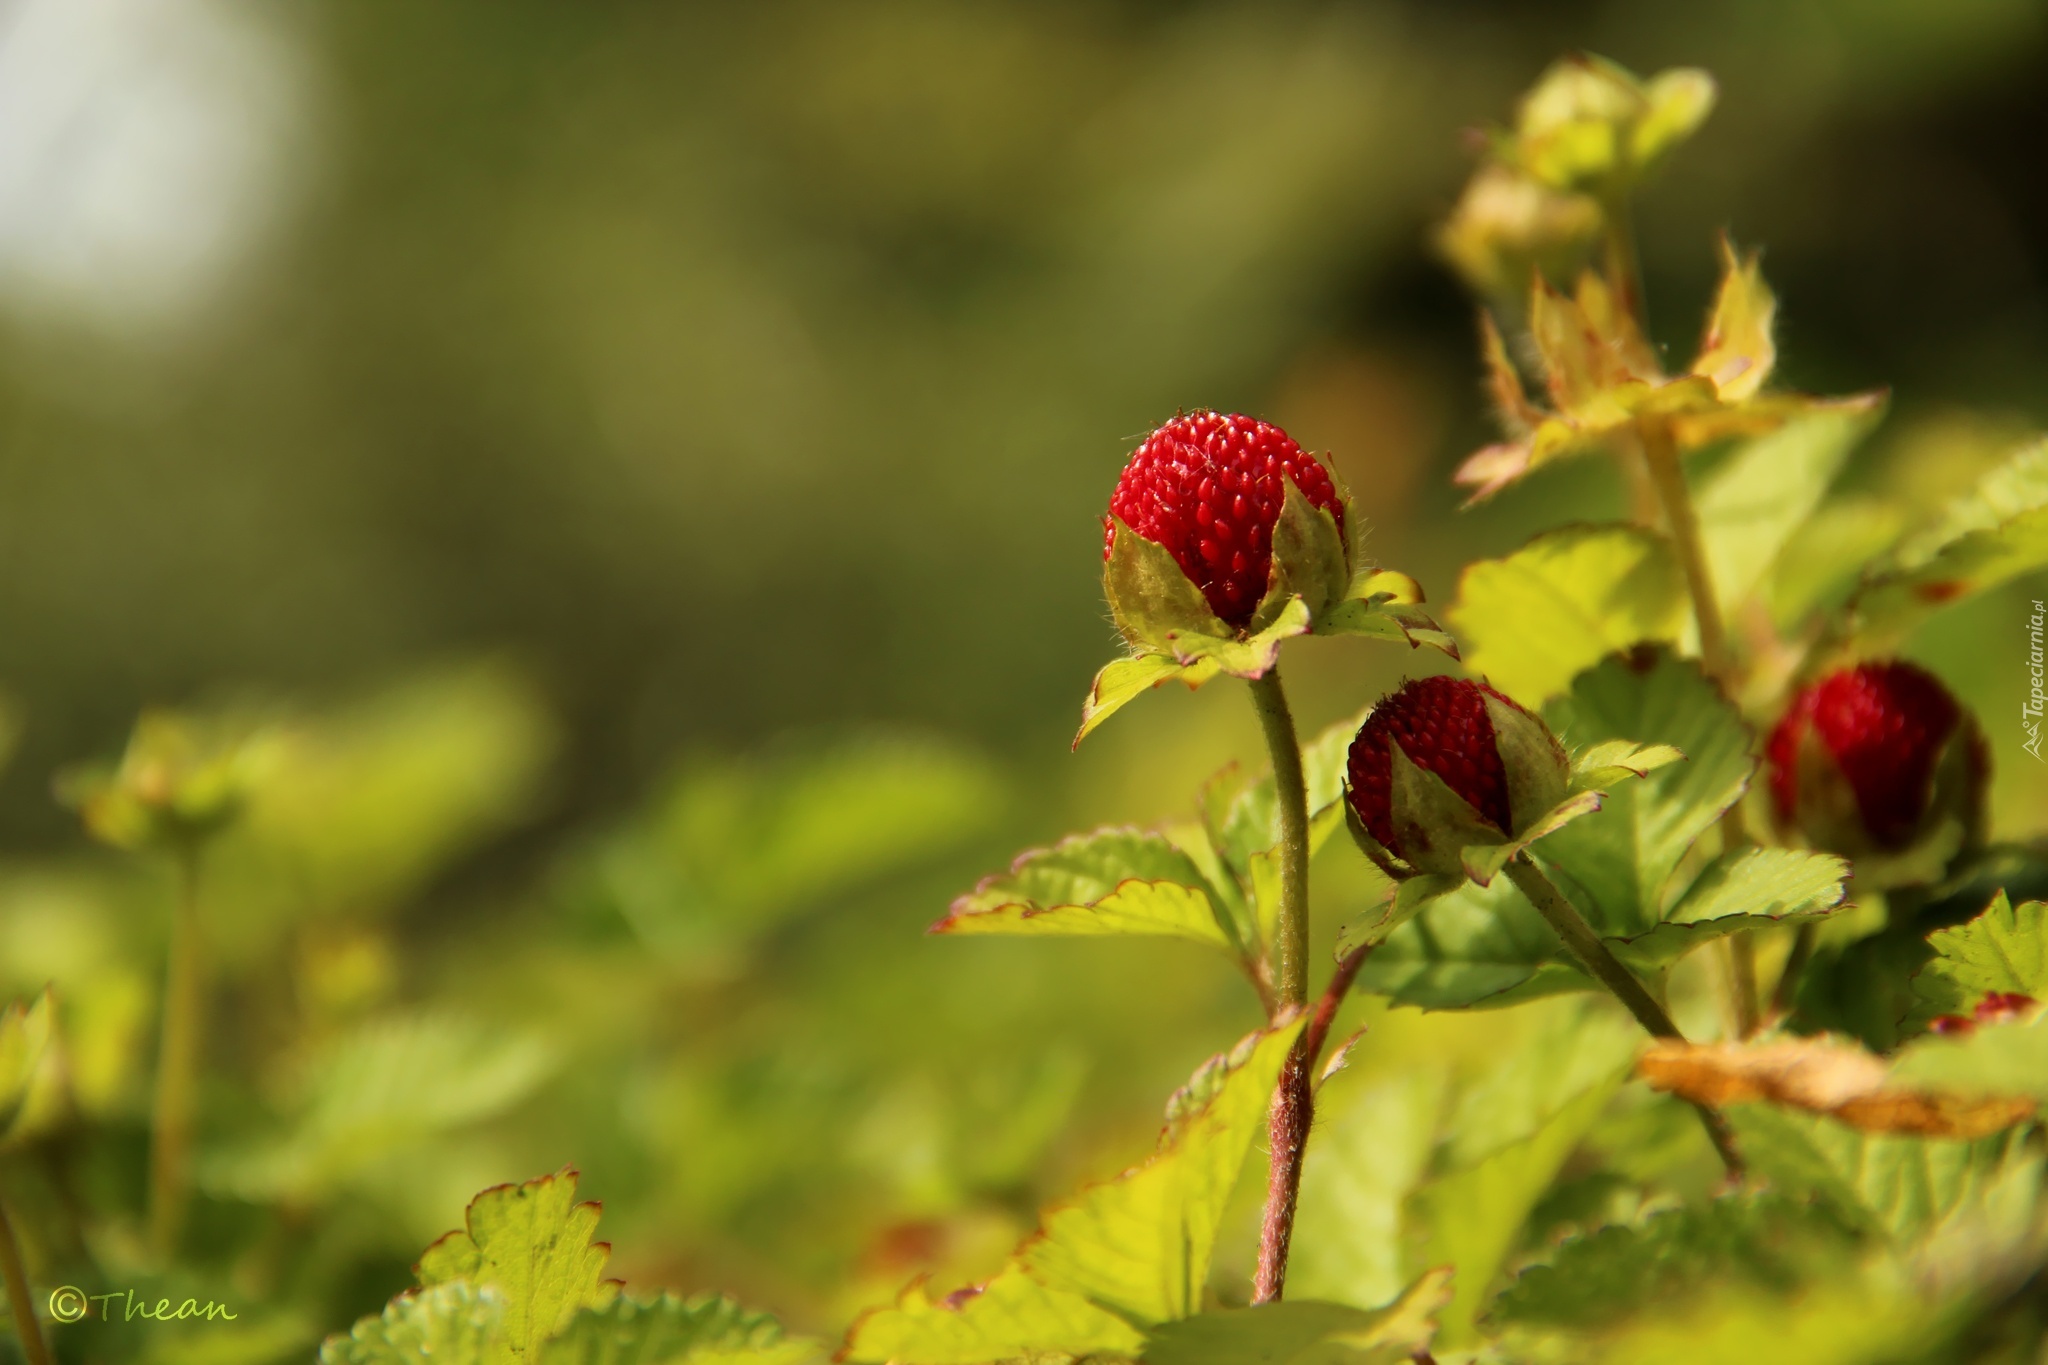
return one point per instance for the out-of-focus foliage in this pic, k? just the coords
(736, 387)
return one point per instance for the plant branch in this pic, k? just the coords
(1287, 1127)
(19, 1298)
(170, 1157)
(1290, 934)
(1585, 945)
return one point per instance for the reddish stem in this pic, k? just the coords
(1287, 1126)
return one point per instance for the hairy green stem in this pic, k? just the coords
(19, 1298)
(1290, 790)
(177, 1075)
(1681, 518)
(1585, 945)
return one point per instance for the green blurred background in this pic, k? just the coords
(534, 402)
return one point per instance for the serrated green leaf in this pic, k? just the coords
(2008, 1059)
(1535, 620)
(1124, 680)
(532, 1243)
(1597, 766)
(1300, 1331)
(2003, 949)
(1756, 1239)
(1818, 568)
(1749, 888)
(1140, 1245)
(1244, 825)
(1893, 1184)
(1990, 536)
(1510, 1133)
(1132, 1250)
(1621, 860)
(708, 1329)
(1476, 945)
(456, 1323)
(1113, 881)
(386, 1085)
(1753, 503)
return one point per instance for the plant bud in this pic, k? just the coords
(1443, 764)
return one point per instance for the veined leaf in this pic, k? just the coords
(1114, 881)
(2003, 949)
(1762, 1240)
(1753, 503)
(456, 1323)
(1894, 1184)
(706, 1330)
(1749, 888)
(1983, 539)
(1535, 620)
(1305, 1331)
(1127, 1254)
(1472, 1216)
(1373, 1145)
(387, 1085)
(1476, 945)
(1622, 859)
(532, 1244)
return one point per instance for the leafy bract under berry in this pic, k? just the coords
(1208, 488)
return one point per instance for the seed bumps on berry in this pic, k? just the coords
(1208, 488)
(1442, 726)
(1885, 725)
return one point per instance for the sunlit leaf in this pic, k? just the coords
(532, 1244)
(1764, 493)
(1124, 680)
(705, 1330)
(1750, 888)
(1304, 1331)
(1373, 1144)
(381, 1088)
(1763, 1240)
(1891, 1183)
(1621, 860)
(456, 1323)
(1738, 352)
(1535, 620)
(1475, 945)
(2003, 949)
(1114, 881)
(1132, 1250)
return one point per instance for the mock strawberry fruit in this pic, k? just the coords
(1211, 491)
(1878, 762)
(1443, 764)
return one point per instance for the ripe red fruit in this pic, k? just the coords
(1442, 725)
(1886, 726)
(1208, 488)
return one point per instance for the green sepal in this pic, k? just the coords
(1403, 902)
(1191, 658)
(1150, 597)
(1484, 862)
(1310, 559)
(1598, 766)
(1433, 824)
(1382, 604)
(1123, 679)
(1535, 764)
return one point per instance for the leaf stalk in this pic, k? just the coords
(19, 1297)
(1585, 945)
(170, 1157)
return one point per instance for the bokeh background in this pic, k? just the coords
(647, 460)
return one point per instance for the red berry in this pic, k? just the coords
(1885, 724)
(1442, 725)
(1951, 1024)
(1208, 488)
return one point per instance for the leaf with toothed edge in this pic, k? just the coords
(708, 1329)
(455, 1323)
(1113, 881)
(1119, 1258)
(532, 1243)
